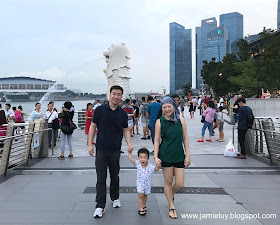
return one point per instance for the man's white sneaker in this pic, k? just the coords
(98, 212)
(117, 203)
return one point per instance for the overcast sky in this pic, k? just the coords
(64, 40)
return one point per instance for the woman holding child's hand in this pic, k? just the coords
(170, 133)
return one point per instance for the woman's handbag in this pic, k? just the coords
(203, 119)
(72, 125)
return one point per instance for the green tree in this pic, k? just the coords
(244, 50)
(248, 77)
(187, 88)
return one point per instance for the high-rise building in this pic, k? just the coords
(234, 24)
(198, 56)
(180, 56)
(217, 45)
(278, 16)
(207, 25)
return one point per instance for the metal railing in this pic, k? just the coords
(263, 139)
(79, 119)
(18, 145)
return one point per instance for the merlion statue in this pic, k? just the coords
(117, 72)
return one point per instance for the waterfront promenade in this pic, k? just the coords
(51, 191)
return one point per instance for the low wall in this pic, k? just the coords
(264, 107)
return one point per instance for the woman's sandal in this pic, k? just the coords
(174, 211)
(142, 212)
(145, 208)
(61, 157)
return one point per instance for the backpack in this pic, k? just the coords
(250, 119)
(145, 110)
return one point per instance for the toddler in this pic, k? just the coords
(220, 123)
(145, 171)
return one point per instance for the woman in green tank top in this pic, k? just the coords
(170, 136)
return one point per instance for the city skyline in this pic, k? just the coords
(64, 40)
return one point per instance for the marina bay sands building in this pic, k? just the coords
(21, 88)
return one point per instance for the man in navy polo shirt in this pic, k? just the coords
(112, 122)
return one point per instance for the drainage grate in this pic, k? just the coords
(184, 190)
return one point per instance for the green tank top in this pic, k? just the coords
(171, 148)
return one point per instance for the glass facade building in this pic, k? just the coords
(217, 45)
(234, 24)
(207, 25)
(180, 56)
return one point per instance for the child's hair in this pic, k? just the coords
(143, 150)
(221, 108)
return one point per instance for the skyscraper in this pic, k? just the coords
(207, 25)
(180, 56)
(217, 45)
(234, 24)
(278, 16)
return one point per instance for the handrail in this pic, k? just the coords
(263, 138)
(19, 135)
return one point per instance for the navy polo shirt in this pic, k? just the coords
(110, 126)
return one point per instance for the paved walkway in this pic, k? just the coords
(50, 191)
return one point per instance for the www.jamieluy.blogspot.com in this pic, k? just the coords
(227, 216)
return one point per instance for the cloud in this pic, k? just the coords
(86, 81)
(64, 40)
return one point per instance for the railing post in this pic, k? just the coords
(6, 151)
(44, 141)
(28, 142)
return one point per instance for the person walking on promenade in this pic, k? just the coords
(194, 100)
(235, 109)
(111, 122)
(66, 132)
(88, 116)
(152, 113)
(37, 114)
(206, 100)
(51, 117)
(209, 114)
(171, 139)
(145, 171)
(130, 113)
(144, 119)
(191, 109)
(201, 103)
(135, 117)
(182, 105)
(245, 113)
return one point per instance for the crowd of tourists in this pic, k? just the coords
(163, 122)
